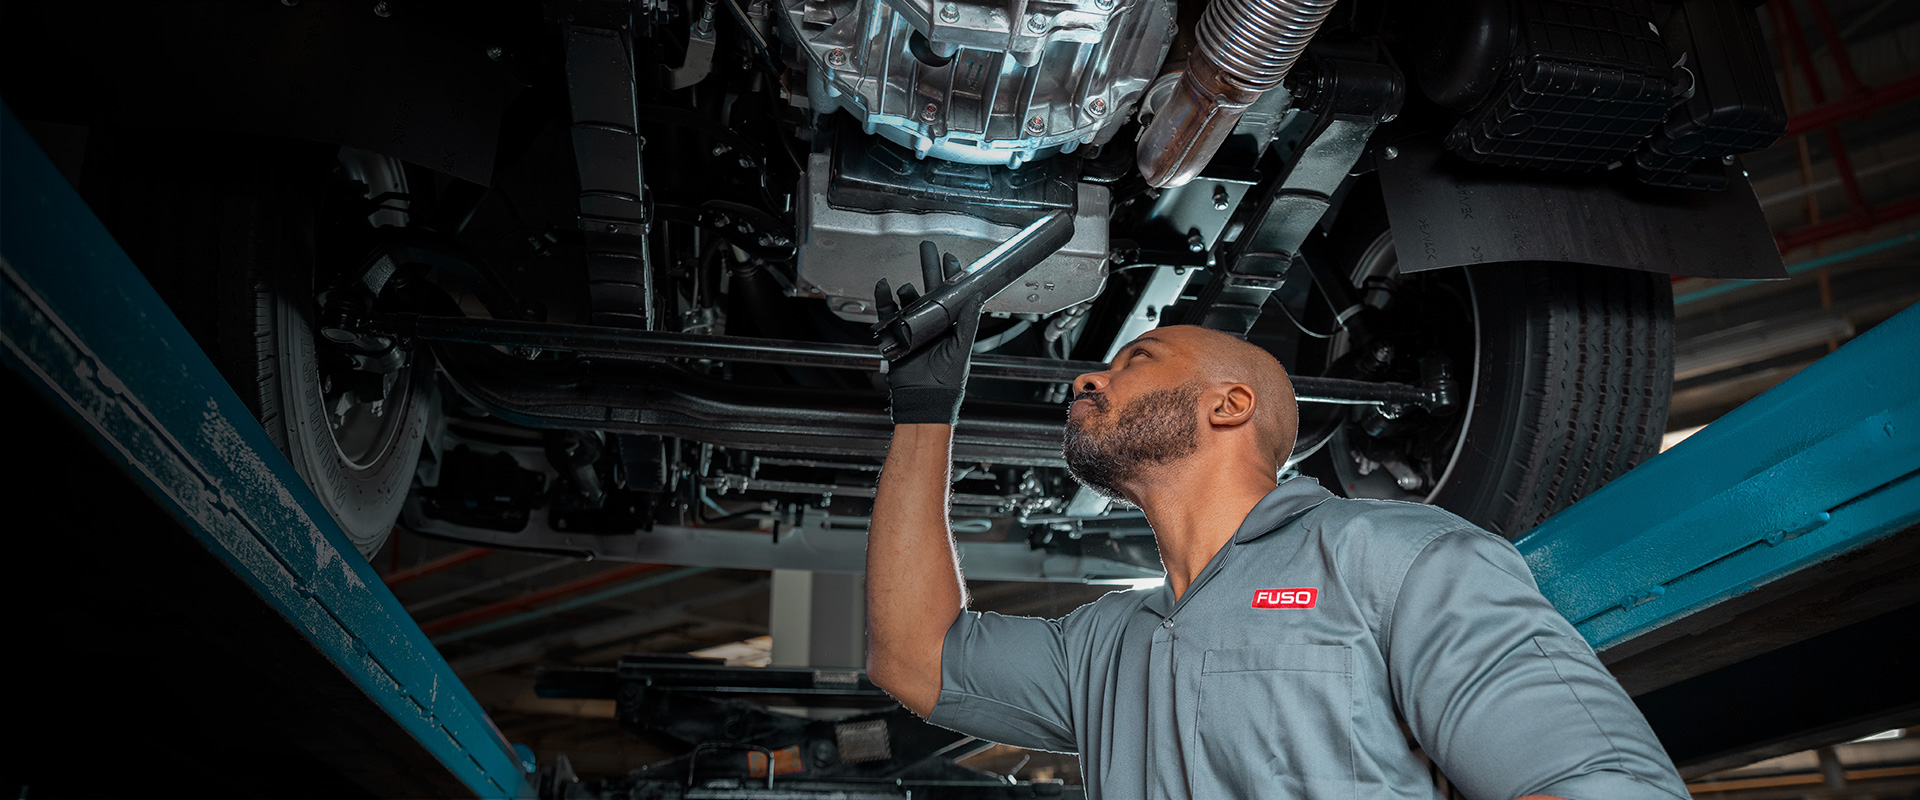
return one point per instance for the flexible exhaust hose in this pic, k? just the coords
(1243, 48)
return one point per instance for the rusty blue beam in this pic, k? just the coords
(1823, 464)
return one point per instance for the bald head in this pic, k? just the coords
(1219, 358)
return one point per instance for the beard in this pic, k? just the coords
(1104, 450)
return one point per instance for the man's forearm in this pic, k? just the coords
(914, 589)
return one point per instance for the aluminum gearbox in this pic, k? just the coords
(978, 81)
(851, 235)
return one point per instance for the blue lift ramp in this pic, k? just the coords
(82, 329)
(1755, 586)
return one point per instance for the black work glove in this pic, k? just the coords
(927, 384)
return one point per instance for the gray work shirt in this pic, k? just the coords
(1250, 686)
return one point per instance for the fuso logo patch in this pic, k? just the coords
(1285, 598)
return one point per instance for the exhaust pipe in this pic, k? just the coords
(1242, 49)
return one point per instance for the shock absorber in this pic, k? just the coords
(1242, 49)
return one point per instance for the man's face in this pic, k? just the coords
(1137, 414)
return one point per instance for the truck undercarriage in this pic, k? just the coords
(596, 277)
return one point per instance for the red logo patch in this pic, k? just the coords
(1285, 598)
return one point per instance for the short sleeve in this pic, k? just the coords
(1008, 680)
(1502, 692)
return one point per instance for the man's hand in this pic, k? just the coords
(914, 589)
(926, 386)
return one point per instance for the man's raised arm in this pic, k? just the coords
(913, 580)
(914, 589)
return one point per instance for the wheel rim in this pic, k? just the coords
(365, 409)
(1442, 309)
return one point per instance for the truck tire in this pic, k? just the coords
(1565, 373)
(232, 233)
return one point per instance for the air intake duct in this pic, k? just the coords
(1242, 49)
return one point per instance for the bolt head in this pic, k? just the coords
(381, 9)
(1103, 5)
(1037, 22)
(1196, 244)
(720, 149)
(1727, 160)
(1098, 107)
(927, 114)
(949, 12)
(1037, 125)
(1390, 153)
(746, 163)
(496, 53)
(837, 57)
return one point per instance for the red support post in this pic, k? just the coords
(535, 598)
(1789, 29)
(1843, 167)
(440, 564)
(1875, 99)
(1825, 117)
(1851, 223)
(1837, 49)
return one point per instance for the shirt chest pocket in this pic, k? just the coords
(1276, 721)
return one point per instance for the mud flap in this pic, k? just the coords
(1448, 213)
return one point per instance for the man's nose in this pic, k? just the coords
(1089, 382)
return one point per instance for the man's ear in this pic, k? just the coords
(1231, 405)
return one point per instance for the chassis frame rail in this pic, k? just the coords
(638, 345)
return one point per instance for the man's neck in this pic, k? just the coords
(1194, 506)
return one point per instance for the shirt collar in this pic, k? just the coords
(1286, 503)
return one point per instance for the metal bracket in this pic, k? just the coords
(607, 151)
(700, 45)
(1351, 98)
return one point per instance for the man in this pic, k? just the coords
(1297, 639)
